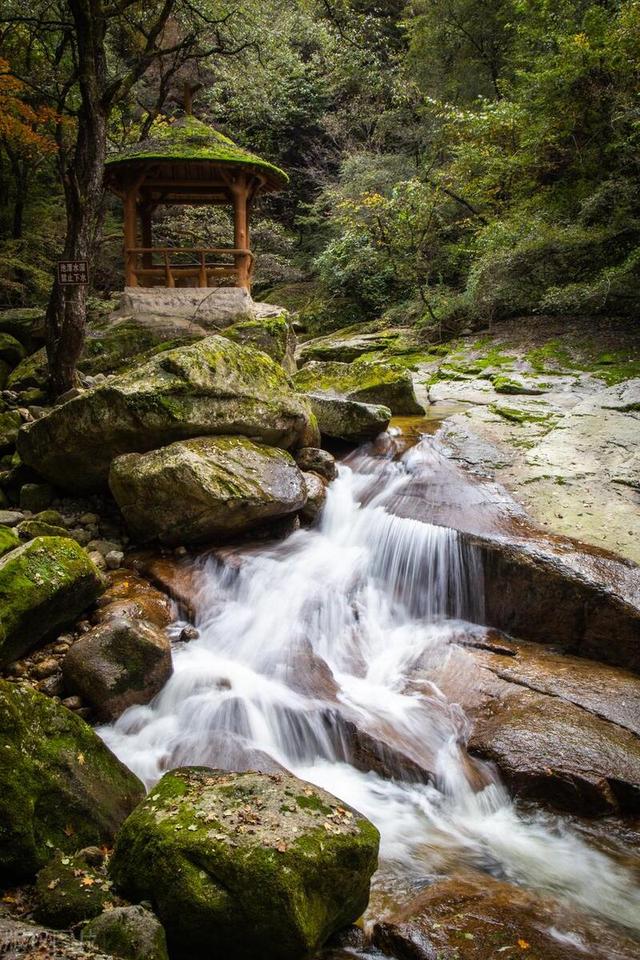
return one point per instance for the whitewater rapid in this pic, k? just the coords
(347, 624)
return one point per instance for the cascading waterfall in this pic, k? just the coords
(337, 633)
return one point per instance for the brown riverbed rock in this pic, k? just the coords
(117, 664)
(206, 489)
(130, 595)
(477, 918)
(201, 840)
(561, 729)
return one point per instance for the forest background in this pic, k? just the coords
(453, 163)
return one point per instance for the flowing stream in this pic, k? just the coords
(336, 634)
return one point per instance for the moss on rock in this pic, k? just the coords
(230, 875)
(272, 335)
(205, 489)
(130, 932)
(210, 387)
(10, 423)
(62, 788)
(366, 380)
(43, 584)
(70, 890)
(8, 540)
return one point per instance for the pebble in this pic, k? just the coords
(61, 647)
(102, 546)
(89, 519)
(114, 559)
(189, 633)
(97, 558)
(45, 668)
(83, 626)
(180, 551)
(72, 703)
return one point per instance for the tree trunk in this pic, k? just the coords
(66, 313)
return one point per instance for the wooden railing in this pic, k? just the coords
(141, 268)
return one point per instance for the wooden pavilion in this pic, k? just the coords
(187, 162)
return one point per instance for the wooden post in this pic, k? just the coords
(147, 235)
(130, 278)
(241, 229)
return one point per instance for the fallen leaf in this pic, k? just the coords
(523, 944)
(87, 882)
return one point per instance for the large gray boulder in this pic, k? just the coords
(62, 788)
(44, 584)
(370, 381)
(350, 420)
(117, 664)
(213, 386)
(205, 489)
(245, 865)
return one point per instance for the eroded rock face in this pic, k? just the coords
(62, 788)
(366, 380)
(202, 839)
(205, 489)
(349, 420)
(211, 387)
(477, 918)
(31, 939)
(118, 664)
(44, 584)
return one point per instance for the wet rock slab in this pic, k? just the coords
(562, 730)
(477, 918)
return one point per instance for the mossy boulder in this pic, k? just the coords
(210, 387)
(62, 788)
(273, 335)
(130, 932)
(209, 488)
(245, 865)
(26, 324)
(70, 889)
(32, 371)
(367, 380)
(117, 664)
(350, 420)
(10, 423)
(11, 350)
(8, 540)
(30, 529)
(44, 584)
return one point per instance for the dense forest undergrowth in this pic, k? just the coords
(453, 163)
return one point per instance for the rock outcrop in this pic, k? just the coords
(210, 387)
(203, 844)
(44, 584)
(62, 788)
(204, 489)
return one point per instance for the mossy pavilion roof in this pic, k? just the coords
(190, 143)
